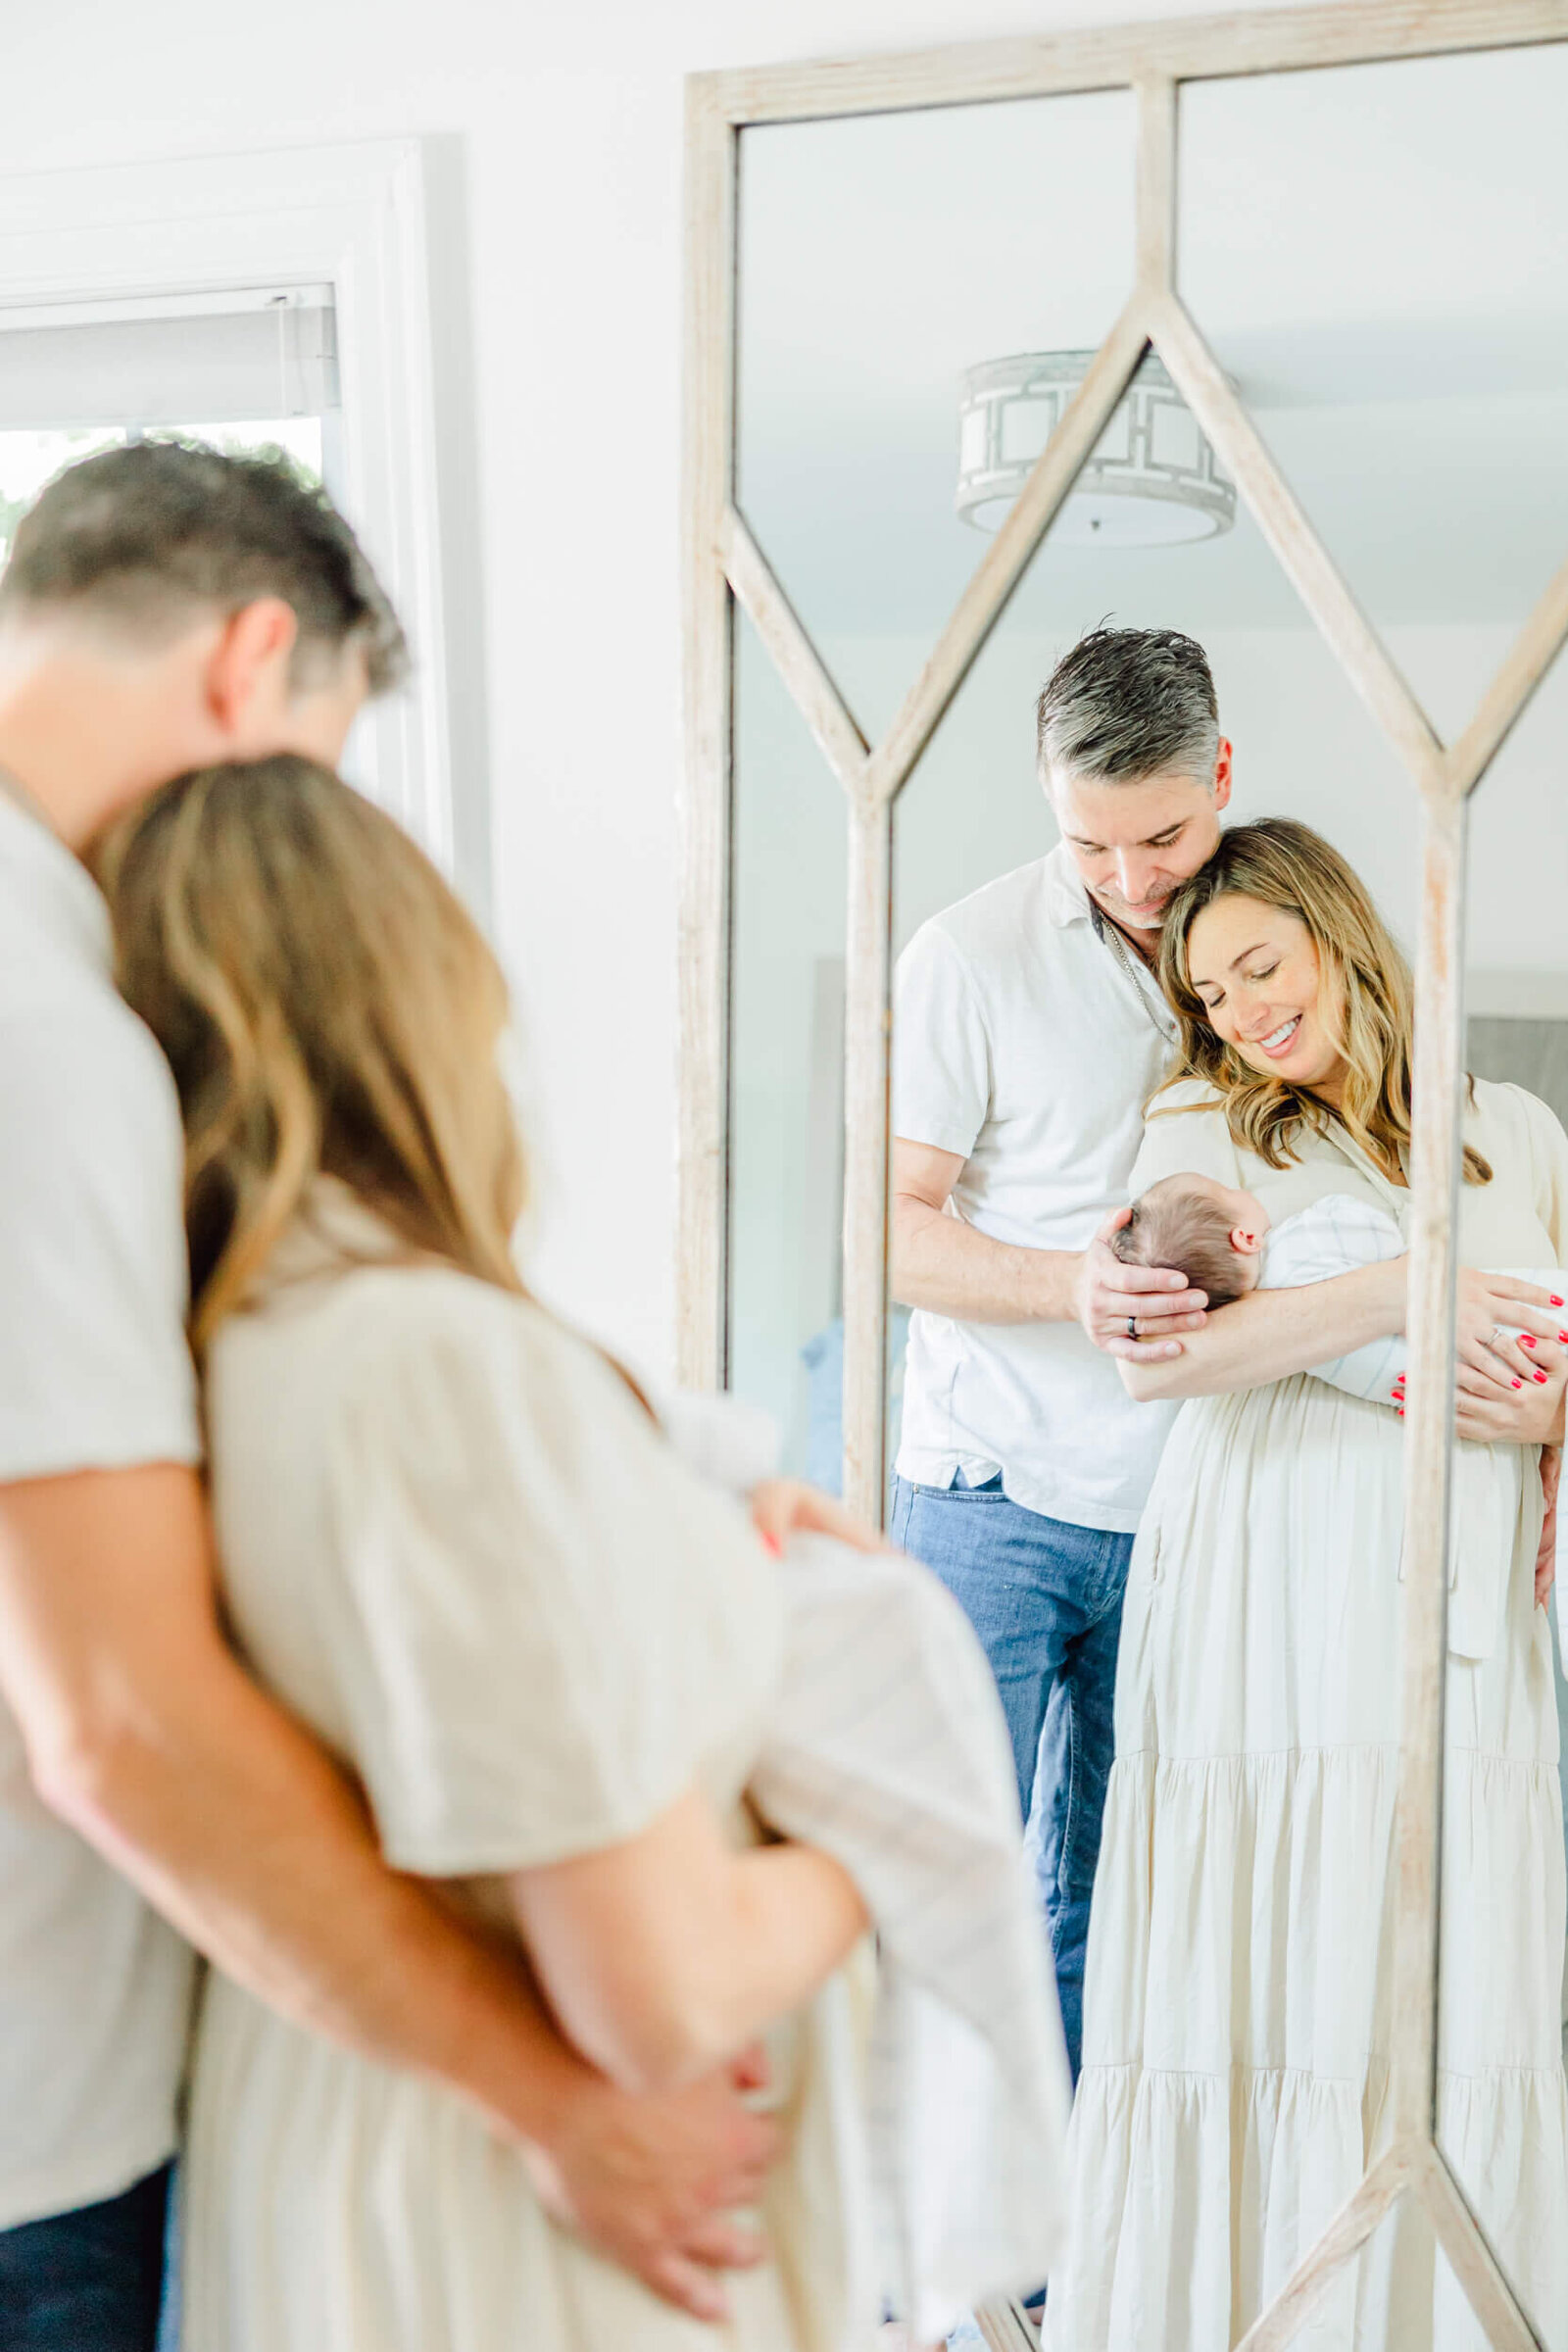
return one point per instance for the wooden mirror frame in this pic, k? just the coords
(723, 565)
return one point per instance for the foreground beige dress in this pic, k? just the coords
(455, 1546)
(1237, 2017)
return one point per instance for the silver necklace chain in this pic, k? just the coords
(1108, 931)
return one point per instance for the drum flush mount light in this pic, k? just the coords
(1152, 481)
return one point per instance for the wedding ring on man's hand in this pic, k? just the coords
(1132, 1327)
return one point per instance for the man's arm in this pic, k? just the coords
(144, 1734)
(941, 1263)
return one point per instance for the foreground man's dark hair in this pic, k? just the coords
(146, 536)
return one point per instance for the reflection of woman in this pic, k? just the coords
(455, 1544)
(1238, 2007)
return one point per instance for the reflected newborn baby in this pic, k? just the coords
(1214, 1233)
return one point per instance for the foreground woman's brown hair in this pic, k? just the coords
(279, 934)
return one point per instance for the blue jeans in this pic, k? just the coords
(1044, 1599)
(90, 2280)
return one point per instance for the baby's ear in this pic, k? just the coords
(1244, 1242)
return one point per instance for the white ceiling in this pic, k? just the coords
(1378, 255)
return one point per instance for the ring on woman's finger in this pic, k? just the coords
(1132, 1327)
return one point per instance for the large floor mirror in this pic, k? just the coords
(1254, 328)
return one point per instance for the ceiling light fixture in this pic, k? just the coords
(1153, 480)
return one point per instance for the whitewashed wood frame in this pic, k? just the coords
(723, 565)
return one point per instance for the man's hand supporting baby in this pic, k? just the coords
(1134, 1312)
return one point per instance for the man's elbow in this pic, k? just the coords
(902, 1279)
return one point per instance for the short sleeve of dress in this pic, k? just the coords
(941, 1048)
(540, 1622)
(1548, 1154)
(1185, 1134)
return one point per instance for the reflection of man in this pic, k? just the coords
(1028, 1034)
(163, 609)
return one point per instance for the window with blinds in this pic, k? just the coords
(248, 369)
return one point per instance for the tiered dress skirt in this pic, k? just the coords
(1238, 1989)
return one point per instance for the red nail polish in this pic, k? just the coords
(1518, 1383)
(1560, 1302)
(1540, 1376)
(773, 1545)
(1526, 1341)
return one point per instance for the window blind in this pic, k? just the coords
(180, 359)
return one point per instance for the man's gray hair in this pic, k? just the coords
(1126, 703)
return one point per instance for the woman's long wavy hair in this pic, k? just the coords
(327, 1007)
(1365, 1001)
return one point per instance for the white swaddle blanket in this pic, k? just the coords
(887, 1749)
(1334, 1235)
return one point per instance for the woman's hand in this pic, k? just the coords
(654, 2183)
(782, 1508)
(1501, 1410)
(1490, 1308)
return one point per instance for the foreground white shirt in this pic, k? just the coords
(94, 1375)
(1022, 1043)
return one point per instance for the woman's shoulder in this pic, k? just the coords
(1192, 1096)
(378, 1300)
(1499, 1106)
(1185, 1132)
(414, 1341)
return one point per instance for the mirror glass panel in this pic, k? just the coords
(1501, 2013)
(789, 883)
(894, 272)
(1216, 1657)
(1376, 256)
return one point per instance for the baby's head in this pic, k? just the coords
(1210, 1232)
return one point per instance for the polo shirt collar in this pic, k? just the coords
(1066, 898)
(55, 883)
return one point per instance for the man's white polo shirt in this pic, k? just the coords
(1023, 1043)
(94, 1375)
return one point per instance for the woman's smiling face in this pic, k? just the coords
(1257, 972)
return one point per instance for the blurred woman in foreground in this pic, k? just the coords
(454, 1540)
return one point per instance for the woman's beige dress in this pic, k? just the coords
(1237, 2017)
(455, 1547)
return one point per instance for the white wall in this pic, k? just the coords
(555, 267)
